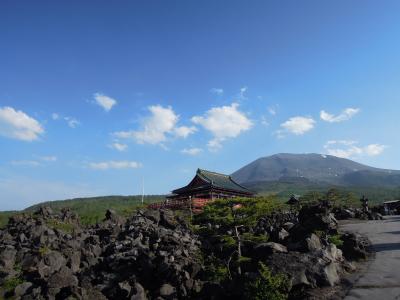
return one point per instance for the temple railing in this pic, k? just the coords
(196, 204)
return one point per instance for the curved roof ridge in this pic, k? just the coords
(211, 172)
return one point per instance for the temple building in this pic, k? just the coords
(211, 185)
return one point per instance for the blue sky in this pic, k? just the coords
(95, 96)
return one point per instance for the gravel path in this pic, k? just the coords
(381, 279)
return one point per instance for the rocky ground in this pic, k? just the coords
(155, 255)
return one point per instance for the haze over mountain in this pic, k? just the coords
(316, 169)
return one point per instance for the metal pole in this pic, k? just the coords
(142, 190)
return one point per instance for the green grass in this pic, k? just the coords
(10, 284)
(61, 226)
(4, 216)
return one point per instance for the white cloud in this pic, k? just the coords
(124, 134)
(104, 101)
(184, 131)
(374, 149)
(223, 122)
(243, 91)
(118, 146)
(298, 125)
(25, 163)
(33, 163)
(350, 149)
(345, 115)
(72, 122)
(214, 144)
(346, 152)
(217, 91)
(157, 127)
(192, 151)
(18, 125)
(280, 134)
(51, 158)
(272, 110)
(264, 121)
(106, 165)
(342, 142)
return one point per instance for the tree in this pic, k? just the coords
(333, 196)
(233, 215)
(311, 197)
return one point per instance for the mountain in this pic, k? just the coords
(314, 170)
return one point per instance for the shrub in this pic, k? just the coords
(247, 236)
(215, 270)
(321, 234)
(229, 241)
(10, 284)
(237, 211)
(267, 286)
(336, 240)
(44, 250)
(65, 227)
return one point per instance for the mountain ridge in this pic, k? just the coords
(316, 169)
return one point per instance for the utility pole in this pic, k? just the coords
(142, 190)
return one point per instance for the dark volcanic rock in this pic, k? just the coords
(62, 278)
(117, 259)
(22, 288)
(264, 250)
(309, 242)
(167, 291)
(7, 257)
(344, 213)
(355, 246)
(317, 217)
(138, 292)
(306, 270)
(154, 255)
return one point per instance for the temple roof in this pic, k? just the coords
(214, 180)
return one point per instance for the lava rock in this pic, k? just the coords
(263, 250)
(21, 289)
(355, 246)
(167, 291)
(62, 278)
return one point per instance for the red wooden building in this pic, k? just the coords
(210, 185)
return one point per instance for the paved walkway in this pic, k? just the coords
(381, 280)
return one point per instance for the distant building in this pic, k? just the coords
(392, 205)
(294, 200)
(211, 185)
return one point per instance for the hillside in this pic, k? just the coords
(298, 173)
(91, 210)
